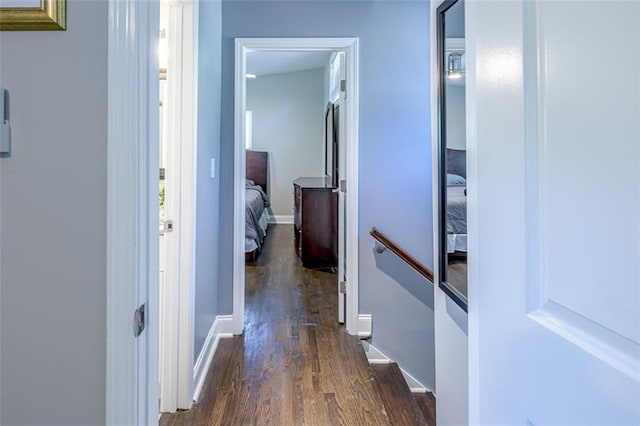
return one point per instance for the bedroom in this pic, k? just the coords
(287, 114)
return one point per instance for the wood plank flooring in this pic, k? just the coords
(390, 383)
(294, 365)
(427, 404)
(457, 271)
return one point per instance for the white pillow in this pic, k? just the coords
(455, 180)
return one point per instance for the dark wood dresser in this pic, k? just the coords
(315, 222)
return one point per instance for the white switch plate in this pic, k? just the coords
(5, 129)
(213, 168)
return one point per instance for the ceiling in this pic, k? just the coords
(265, 63)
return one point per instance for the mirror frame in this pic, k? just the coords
(459, 298)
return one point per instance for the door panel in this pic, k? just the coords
(555, 214)
(592, 123)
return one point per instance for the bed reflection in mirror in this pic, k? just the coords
(453, 149)
(456, 220)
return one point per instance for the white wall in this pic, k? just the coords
(451, 322)
(53, 223)
(456, 117)
(288, 122)
(452, 366)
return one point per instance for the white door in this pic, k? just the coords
(553, 102)
(340, 121)
(179, 160)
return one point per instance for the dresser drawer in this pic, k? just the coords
(315, 223)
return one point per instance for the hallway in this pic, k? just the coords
(295, 364)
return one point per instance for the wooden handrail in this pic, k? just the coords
(398, 251)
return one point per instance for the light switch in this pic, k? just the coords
(5, 129)
(213, 168)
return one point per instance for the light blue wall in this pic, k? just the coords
(288, 111)
(395, 154)
(208, 190)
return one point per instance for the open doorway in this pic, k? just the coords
(348, 210)
(285, 139)
(291, 232)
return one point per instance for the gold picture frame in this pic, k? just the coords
(50, 15)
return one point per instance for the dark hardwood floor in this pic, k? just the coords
(294, 365)
(392, 387)
(457, 271)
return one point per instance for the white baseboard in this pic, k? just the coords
(414, 385)
(375, 356)
(219, 329)
(225, 325)
(364, 326)
(281, 219)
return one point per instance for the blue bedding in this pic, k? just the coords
(256, 202)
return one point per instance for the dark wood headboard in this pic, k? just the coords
(258, 168)
(457, 162)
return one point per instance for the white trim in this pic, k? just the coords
(203, 363)
(225, 325)
(248, 136)
(339, 60)
(350, 47)
(281, 219)
(435, 154)
(188, 183)
(239, 195)
(171, 309)
(352, 59)
(414, 384)
(178, 326)
(132, 224)
(365, 325)
(201, 367)
(611, 348)
(376, 357)
(473, 272)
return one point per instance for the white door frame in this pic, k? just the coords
(350, 47)
(132, 212)
(176, 371)
(342, 165)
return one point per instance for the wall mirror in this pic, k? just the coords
(331, 143)
(452, 151)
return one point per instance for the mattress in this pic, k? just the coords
(249, 243)
(456, 219)
(255, 223)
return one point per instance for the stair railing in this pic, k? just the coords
(401, 253)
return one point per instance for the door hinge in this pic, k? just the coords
(168, 226)
(343, 85)
(343, 185)
(139, 320)
(343, 287)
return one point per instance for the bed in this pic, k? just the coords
(257, 201)
(456, 202)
